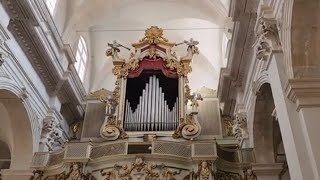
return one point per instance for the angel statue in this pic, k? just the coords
(192, 49)
(114, 50)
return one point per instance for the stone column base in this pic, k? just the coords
(267, 171)
(9, 174)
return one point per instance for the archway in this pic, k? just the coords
(263, 125)
(268, 144)
(15, 131)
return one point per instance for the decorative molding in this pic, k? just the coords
(267, 169)
(304, 92)
(32, 38)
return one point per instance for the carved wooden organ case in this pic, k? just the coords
(147, 127)
(151, 91)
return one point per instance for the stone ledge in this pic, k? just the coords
(304, 92)
(267, 169)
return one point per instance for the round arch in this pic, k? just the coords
(15, 129)
(263, 124)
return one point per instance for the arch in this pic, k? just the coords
(263, 125)
(15, 130)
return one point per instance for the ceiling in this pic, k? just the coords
(102, 21)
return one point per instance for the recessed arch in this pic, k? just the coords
(15, 130)
(263, 124)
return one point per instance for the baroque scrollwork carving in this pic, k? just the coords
(140, 169)
(52, 134)
(240, 130)
(112, 129)
(75, 173)
(228, 124)
(223, 175)
(236, 127)
(153, 35)
(188, 128)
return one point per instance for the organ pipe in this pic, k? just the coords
(152, 112)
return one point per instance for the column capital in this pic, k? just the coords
(304, 92)
(267, 169)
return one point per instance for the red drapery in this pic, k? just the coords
(148, 65)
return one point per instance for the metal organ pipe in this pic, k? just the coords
(152, 112)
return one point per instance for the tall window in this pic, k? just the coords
(51, 4)
(81, 58)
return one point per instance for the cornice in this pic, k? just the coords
(28, 27)
(304, 92)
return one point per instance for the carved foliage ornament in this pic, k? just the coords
(153, 36)
(75, 173)
(141, 170)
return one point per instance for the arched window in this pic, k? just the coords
(51, 4)
(81, 58)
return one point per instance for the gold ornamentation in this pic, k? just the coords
(228, 124)
(75, 171)
(249, 175)
(141, 170)
(154, 35)
(205, 171)
(61, 176)
(207, 92)
(188, 128)
(183, 69)
(75, 129)
(113, 130)
(101, 93)
(37, 175)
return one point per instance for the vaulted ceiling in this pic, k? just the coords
(102, 21)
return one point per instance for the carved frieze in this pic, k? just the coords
(140, 169)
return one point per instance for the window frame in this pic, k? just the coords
(81, 58)
(51, 5)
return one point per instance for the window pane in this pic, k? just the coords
(81, 57)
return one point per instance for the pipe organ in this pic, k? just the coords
(151, 107)
(151, 91)
(152, 112)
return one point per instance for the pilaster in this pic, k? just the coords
(305, 93)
